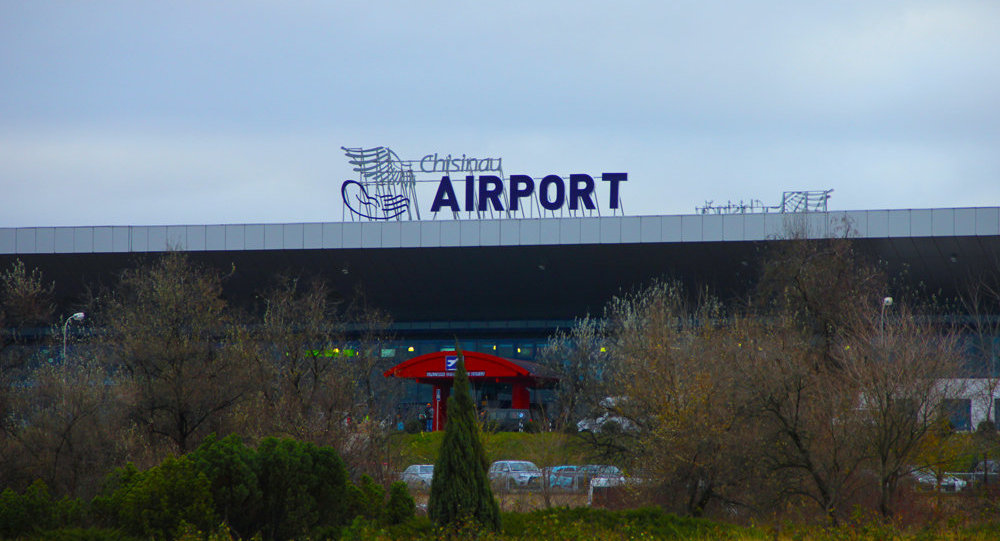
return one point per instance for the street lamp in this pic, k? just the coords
(75, 317)
(886, 302)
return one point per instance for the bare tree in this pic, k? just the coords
(805, 414)
(680, 403)
(811, 296)
(904, 368)
(318, 372)
(368, 447)
(73, 423)
(579, 357)
(981, 333)
(821, 286)
(293, 351)
(166, 325)
(26, 310)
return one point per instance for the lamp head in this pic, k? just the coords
(78, 316)
(887, 301)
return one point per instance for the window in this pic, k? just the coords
(959, 412)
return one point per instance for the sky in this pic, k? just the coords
(147, 113)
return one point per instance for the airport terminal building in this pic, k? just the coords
(502, 286)
(502, 261)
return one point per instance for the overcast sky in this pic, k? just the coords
(144, 113)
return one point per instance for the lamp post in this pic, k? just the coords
(75, 317)
(886, 302)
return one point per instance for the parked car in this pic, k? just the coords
(929, 480)
(565, 477)
(571, 477)
(603, 471)
(515, 474)
(604, 482)
(418, 476)
(988, 466)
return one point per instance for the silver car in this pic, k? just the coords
(516, 474)
(418, 476)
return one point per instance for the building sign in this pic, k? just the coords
(390, 188)
(451, 363)
(431, 163)
(553, 192)
(479, 373)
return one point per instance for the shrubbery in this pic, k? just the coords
(159, 501)
(283, 489)
(34, 511)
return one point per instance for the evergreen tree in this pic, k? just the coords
(401, 506)
(460, 491)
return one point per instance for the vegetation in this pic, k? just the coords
(803, 407)
(460, 490)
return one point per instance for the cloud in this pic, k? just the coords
(228, 112)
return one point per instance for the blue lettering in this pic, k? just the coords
(551, 193)
(614, 179)
(543, 192)
(470, 192)
(445, 196)
(578, 192)
(520, 186)
(490, 188)
(424, 168)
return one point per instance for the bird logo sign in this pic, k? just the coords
(373, 207)
(386, 187)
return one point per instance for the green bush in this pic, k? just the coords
(282, 490)
(460, 491)
(302, 486)
(159, 501)
(83, 534)
(367, 499)
(230, 466)
(22, 514)
(401, 506)
(414, 426)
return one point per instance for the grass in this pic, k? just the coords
(530, 515)
(544, 449)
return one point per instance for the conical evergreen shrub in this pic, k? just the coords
(460, 491)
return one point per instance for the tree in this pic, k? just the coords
(820, 286)
(841, 387)
(981, 303)
(679, 398)
(902, 368)
(812, 296)
(156, 503)
(295, 350)
(317, 371)
(804, 414)
(375, 396)
(303, 487)
(26, 308)
(400, 507)
(166, 324)
(580, 359)
(461, 489)
(231, 470)
(73, 420)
